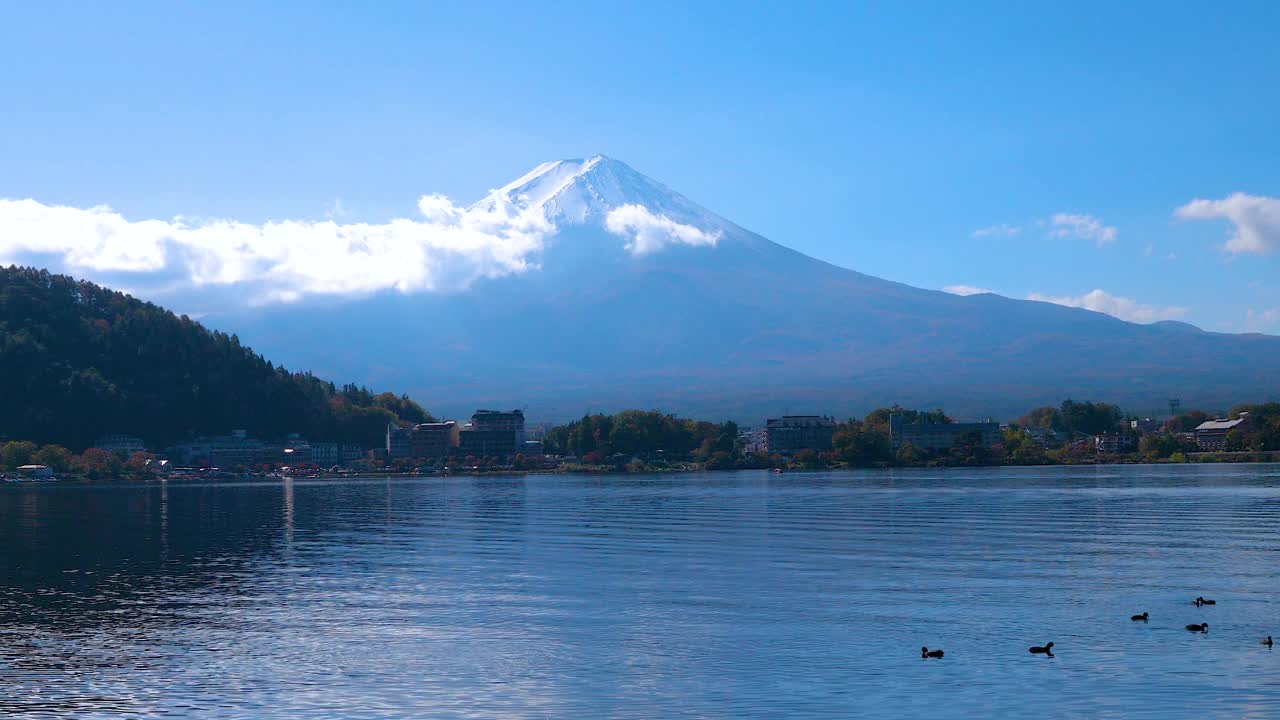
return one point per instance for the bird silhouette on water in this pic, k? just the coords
(1266, 641)
(1198, 602)
(1047, 649)
(1203, 628)
(927, 653)
(1141, 618)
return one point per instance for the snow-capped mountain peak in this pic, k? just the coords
(586, 191)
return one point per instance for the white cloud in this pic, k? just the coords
(1085, 227)
(448, 248)
(965, 290)
(646, 232)
(1121, 307)
(1256, 220)
(1002, 230)
(1263, 320)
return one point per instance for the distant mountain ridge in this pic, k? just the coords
(643, 298)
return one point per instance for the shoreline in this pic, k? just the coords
(1272, 458)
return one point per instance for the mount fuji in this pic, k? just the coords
(640, 297)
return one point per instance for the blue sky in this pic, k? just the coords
(882, 137)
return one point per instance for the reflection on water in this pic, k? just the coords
(720, 595)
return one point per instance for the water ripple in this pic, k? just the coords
(700, 596)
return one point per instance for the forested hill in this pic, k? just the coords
(78, 361)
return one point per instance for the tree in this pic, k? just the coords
(908, 455)
(80, 360)
(720, 460)
(55, 456)
(16, 454)
(1186, 422)
(809, 459)
(1157, 446)
(99, 464)
(970, 449)
(1090, 418)
(1022, 448)
(1047, 417)
(881, 416)
(862, 444)
(1263, 430)
(141, 464)
(1234, 440)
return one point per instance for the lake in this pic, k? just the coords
(722, 595)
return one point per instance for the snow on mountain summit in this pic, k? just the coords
(586, 191)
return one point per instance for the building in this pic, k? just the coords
(399, 444)
(1212, 434)
(434, 440)
(225, 451)
(1113, 443)
(492, 433)
(328, 454)
(296, 451)
(939, 436)
(752, 440)
(122, 445)
(1145, 425)
(1045, 437)
(790, 434)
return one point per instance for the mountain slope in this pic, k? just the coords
(78, 361)
(644, 298)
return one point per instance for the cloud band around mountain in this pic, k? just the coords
(646, 232)
(446, 248)
(1114, 305)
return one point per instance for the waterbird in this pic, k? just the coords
(1046, 650)
(1266, 641)
(1198, 628)
(1201, 601)
(927, 653)
(1143, 617)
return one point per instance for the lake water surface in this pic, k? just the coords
(741, 595)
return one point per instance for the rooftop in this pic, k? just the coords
(1222, 423)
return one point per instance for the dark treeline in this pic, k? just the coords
(78, 360)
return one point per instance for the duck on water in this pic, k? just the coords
(927, 653)
(1144, 617)
(1046, 650)
(1202, 628)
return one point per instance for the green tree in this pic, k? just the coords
(81, 360)
(862, 444)
(1156, 446)
(16, 454)
(1234, 440)
(55, 456)
(908, 455)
